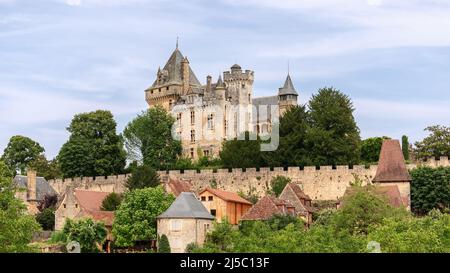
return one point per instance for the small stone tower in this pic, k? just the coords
(392, 170)
(287, 96)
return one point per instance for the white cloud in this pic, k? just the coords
(73, 2)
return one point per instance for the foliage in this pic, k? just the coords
(242, 152)
(435, 145)
(370, 149)
(58, 237)
(111, 202)
(135, 220)
(191, 248)
(143, 177)
(405, 147)
(16, 226)
(183, 163)
(20, 151)
(49, 202)
(333, 138)
(251, 195)
(163, 244)
(49, 169)
(148, 139)
(280, 221)
(430, 189)
(94, 148)
(278, 184)
(89, 234)
(46, 218)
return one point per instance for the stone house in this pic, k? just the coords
(224, 204)
(302, 202)
(32, 190)
(267, 207)
(186, 221)
(78, 204)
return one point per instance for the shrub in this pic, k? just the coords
(46, 218)
(163, 244)
(89, 234)
(111, 202)
(278, 183)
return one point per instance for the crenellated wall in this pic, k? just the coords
(324, 183)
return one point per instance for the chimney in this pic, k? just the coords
(185, 73)
(208, 83)
(31, 185)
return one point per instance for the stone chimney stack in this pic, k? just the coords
(185, 74)
(31, 185)
(208, 83)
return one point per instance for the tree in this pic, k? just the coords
(20, 151)
(334, 137)
(135, 220)
(243, 153)
(163, 244)
(142, 177)
(370, 149)
(89, 234)
(278, 184)
(49, 201)
(49, 169)
(405, 147)
(430, 189)
(148, 139)
(46, 218)
(16, 226)
(94, 148)
(435, 145)
(111, 202)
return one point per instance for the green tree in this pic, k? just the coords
(16, 226)
(142, 177)
(94, 148)
(148, 139)
(163, 244)
(405, 147)
(278, 184)
(49, 169)
(370, 149)
(435, 145)
(430, 189)
(46, 218)
(89, 234)
(242, 152)
(334, 137)
(20, 151)
(135, 220)
(111, 202)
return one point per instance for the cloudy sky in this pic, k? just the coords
(61, 57)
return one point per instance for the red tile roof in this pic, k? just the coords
(90, 203)
(266, 208)
(107, 217)
(391, 166)
(227, 196)
(177, 186)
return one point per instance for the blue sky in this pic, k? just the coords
(62, 57)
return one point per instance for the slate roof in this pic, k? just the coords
(186, 206)
(288, 88)
(391, 166)
(227, 196)
(173, 66)
(43, 188)
(267, 207)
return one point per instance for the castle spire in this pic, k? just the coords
(177, 44)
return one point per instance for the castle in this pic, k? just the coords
(208, 114)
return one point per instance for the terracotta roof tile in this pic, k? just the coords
(106, 217)
(227, 196)
(391, 166)
(178, 186)
(266, 208)
(90, 200)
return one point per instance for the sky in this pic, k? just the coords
(63, 57)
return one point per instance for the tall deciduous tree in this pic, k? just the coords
(135, 220)
(94, 148)
(20, 151)
(333, 137)
(242, 152)
(49, 169)
(370, 149)
(16, 226)
(148, 139)
(436, 144)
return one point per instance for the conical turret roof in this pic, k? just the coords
(391, 166)
(288, 88)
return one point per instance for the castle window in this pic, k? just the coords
(206, 152)
(159, 90)
(225, 125)
(64, 205)
(211, 122)
(170, 104)
(167, 88)
(192, 152)
(192, 136)
(192, 117)
(249, 99)
(151, 92)
(179, 119)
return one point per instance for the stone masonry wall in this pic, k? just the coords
(325, 183)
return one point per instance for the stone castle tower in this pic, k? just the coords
(208, 114)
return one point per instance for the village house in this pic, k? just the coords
(224, 204)
(32, 190)
(267, 207)
(186, 221)
(302, 202)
